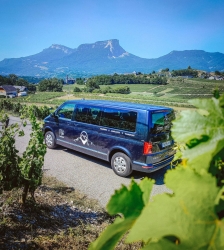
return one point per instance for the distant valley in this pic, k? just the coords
(105, 57)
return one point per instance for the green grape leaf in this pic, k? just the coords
(221, 101)
(128, 202)
(21, 133)
(188, 214)
(162, 244)
(146, 186)
(202, 130)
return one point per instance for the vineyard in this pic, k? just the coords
(192, 217)
(176, 93)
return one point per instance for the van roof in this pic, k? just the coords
(116, 104)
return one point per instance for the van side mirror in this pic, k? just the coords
(54, 115)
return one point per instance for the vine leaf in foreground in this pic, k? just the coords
(202, 130)
(188, 215)
(128, 202)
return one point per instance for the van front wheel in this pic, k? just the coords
(50, 140)
(121, 164)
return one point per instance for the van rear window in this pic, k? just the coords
(162, 121)
(158, 118)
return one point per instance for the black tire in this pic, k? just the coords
(50, 140)
(121, 164)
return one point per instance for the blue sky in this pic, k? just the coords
(145, 28)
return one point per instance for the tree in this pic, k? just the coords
(165, 70)
(4, 80)
(91, 85)
(122, 90)
(21, 82)
(31, 88)
(76, 89)
(13, 78)
(185, 72)
(80, 81)
(217, 73)
(51, 85)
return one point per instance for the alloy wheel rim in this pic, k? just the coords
(120, 164)
(49, 140)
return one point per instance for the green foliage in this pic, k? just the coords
(51, 85)
(9, 158)
(26, 171)
(121, 90)
(188, 215)
(218, 73)
(202, 130)
(80, 81)
(41, 97)
(192, 217)
(91, 85)
(31, 88)
(159, 80)
(76, 89)
(130, 201)
(39, 111)
(185, 72)
(166, 70)
(32, 160)
(137, 78)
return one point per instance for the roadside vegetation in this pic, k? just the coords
(63, 218)
(60, 218)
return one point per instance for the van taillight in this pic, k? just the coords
(147, 149)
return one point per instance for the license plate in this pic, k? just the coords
(165, 144)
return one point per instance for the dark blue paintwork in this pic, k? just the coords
(102, 142)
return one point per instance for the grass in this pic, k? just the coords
(61, 218)
(175, 94)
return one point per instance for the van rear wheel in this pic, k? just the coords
(50, 140)
(121, 164)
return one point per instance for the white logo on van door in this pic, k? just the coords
(61, 133)
(84, 139)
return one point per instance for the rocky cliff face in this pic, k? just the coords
(105, 57)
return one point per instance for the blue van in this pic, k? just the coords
(130, 136)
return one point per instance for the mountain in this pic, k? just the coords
(105, 57)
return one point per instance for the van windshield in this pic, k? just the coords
(162, 121)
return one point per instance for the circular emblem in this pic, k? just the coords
(84, 137)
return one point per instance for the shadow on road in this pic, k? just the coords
(158, 175)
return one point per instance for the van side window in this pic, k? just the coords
(94, 115)
(81, 113)
(86, 114)
(120, 119)
(66, 111)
